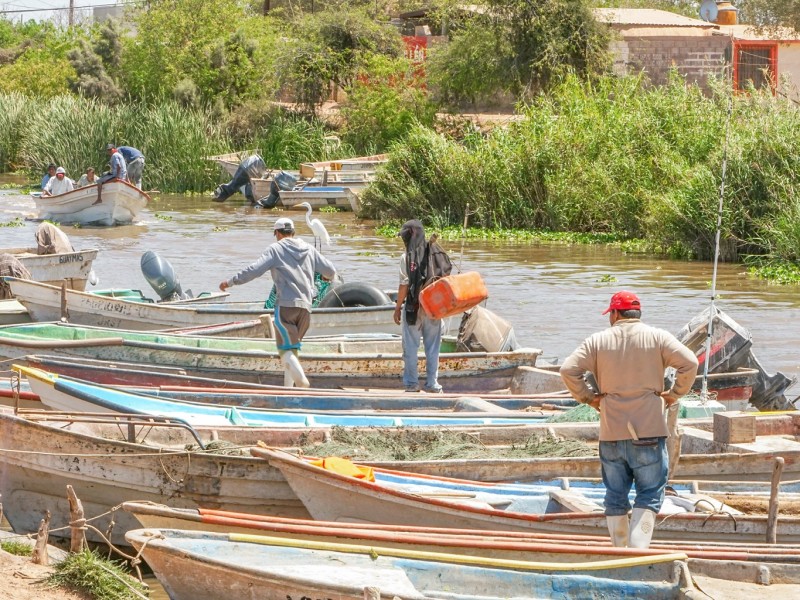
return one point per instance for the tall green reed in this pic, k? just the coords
(614, 156)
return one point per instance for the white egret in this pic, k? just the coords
(316, 226)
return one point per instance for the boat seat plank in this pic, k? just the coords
(574, 502)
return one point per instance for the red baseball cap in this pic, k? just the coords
(624, 301)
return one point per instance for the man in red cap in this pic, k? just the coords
(628, 361)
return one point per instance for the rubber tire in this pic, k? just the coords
(354, 294)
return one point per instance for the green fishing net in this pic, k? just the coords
(319, 283)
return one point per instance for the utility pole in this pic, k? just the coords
(71, 12)
(266, 8)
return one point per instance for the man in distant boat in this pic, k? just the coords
(134, 163)
(49, 174)
(116, 164)
(416, 325)
(88, 178)
(628, 361)
(60, 184)
(292, 264)
(252, 167)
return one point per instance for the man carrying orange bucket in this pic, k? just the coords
(417, 326)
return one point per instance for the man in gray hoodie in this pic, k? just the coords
(292, 264)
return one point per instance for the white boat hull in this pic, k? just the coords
(74, 267)
(119, 203)
(44, 304)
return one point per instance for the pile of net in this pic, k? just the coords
(408, 443)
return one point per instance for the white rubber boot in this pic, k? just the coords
(643, 523)
(618, 529)
(288, 381)
(292, 365)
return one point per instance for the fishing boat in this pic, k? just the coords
(229, 162)
(410, 499)
(318, 196)
(115, 202)
(75, 395)
(194, 565)
(743, 563)
(44, 303)
(54, 269)
(343, 360)
(42, 453)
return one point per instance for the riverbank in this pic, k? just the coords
(23, 580)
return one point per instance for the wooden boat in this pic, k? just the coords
(329, 362)
(115, 202)
(13, 313)
(443, 502)
(753, 566)
(194, 565)
(229, 162)
(41, 454)
(44, 304)
(133, 295)
(341, 197)
(53, 269)
(74, 395)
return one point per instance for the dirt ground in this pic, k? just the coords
(22, 580)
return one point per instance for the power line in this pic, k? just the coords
(47, 9)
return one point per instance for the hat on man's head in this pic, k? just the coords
(284, 225)
(624, 301)
(51, 166)
(110, 147)
(61, 170)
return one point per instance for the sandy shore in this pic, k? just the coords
(22, 580)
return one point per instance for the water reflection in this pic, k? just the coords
(553, 294)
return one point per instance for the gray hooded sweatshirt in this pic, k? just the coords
(292, 264)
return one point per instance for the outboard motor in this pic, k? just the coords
(161, 277)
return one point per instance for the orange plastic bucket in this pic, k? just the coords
(453, 294)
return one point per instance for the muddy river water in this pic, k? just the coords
(552, 294)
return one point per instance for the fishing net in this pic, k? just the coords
(319, 283)
(583, 413)
(406, 443)
(220, 447)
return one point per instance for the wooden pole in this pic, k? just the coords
(77, 522)
(772, 516)
(39, 555)
(673, 439)
(64, 311)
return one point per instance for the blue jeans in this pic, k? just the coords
(430, 332)
(624, 464)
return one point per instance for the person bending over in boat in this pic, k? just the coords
(628, 361)
(134, 163)
(60, 184)
(292, 264)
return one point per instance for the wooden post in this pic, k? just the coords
(673, 439)
(772, 516)
(39, 555)
(64, 311)
(77, 521)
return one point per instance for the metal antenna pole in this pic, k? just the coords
(712, 311)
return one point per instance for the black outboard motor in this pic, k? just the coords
(282, 181)
(161, 277)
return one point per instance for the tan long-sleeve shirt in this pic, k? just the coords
(628, 361)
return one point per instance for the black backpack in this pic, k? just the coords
(439, 264)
